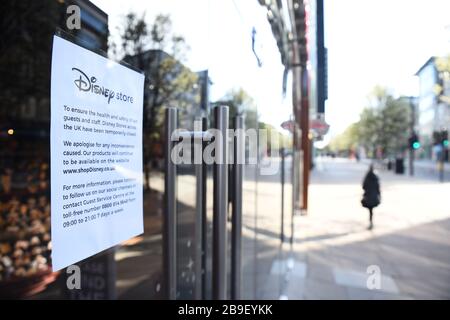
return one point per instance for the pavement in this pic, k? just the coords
(428, 169)
(335, 256)
(407, 253)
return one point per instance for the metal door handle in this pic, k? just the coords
(219, 274)
(236, 218)
(220, 205)
(170, 212)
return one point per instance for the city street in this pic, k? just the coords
(221, 150)
(409, 245)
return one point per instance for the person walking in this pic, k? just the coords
(372, 195)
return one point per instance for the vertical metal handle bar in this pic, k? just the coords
(219, 273)
(204, 216)
(197, 150)
(170, 214)
(236, 218)
(282, 193)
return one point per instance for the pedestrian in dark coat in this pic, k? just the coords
(372, 196)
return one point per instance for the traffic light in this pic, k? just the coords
(414, 142)
(444, 138)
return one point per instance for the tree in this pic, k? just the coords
(271, 132)
(443, 87)
(133, 35)
(385, 125)
(347, 140)
(241, 103)
(382, 125)
(159, 52)
(395, 124)
(368, 130)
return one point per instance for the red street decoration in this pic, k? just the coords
(288, 125)
(320, 126)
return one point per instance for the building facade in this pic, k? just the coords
(433, 109)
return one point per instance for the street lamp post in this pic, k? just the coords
(411, 161)
(412, 125)
(443, 143)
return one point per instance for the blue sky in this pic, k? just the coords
(370, 42)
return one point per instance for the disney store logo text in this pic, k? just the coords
(88, 84)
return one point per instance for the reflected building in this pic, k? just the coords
(94, 32)
(26, 59)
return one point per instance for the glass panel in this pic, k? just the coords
(188, 191)
(130, 270)
(244, 65)
(186, 229)
(233, 61)
(187, 217)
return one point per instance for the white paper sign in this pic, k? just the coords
(96, 153)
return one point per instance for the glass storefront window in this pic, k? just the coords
(223, 69)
